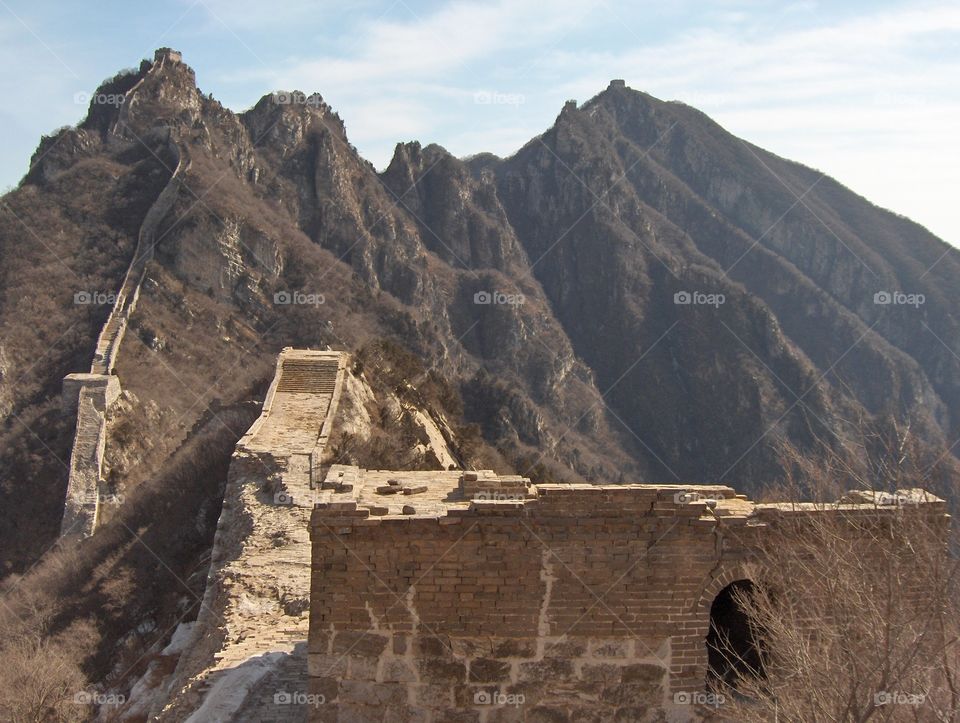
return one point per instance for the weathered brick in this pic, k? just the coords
(446, 672)
(397, 670)
(546, 669)
(485, 670)
(360, 643)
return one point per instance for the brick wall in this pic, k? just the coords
(586, 602)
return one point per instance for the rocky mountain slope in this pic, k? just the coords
(583, 365)
(634, 295)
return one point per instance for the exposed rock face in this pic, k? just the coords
(543, 287)
(550, 297)
(629, 200)
(460, 219)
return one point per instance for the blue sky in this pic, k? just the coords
(868, 92)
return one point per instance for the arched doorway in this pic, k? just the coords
(733, 643)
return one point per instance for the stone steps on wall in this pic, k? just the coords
(308, 377)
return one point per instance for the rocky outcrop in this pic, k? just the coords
(558, 273)
(460, 218)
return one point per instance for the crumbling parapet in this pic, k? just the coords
(485, 485)
(594, 598)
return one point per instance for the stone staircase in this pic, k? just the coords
(296, 406)
(301, 376)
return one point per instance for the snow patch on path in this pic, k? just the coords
(233, 686)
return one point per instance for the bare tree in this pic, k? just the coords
(40, 679)
(855, 604)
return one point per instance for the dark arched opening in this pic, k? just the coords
(733, 643)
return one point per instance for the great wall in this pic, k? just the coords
(557, 602)
(249, 639)
(92, 394)
(337, 593)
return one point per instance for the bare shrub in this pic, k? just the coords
(856, 607)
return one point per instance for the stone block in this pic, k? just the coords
(637, 714)
(362, 668)
(443, 672)
(397, 670)
(457, 716)
(565, 648)
(514, 648)
(631, 694)
(486, 670)
(327, 686)
(643, 674)
(430, 695)
(372, 693)
(471, 647)
(406, 714)
(432, 646)
(606, 673)
(319, 665)
(549, 669)
(547, 714)
(610, 648)
(358, 713)
(359, 643)
(506, 714)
